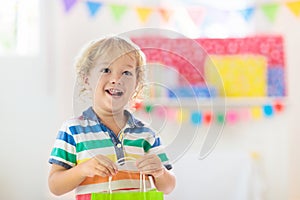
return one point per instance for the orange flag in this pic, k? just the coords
(294, 7)
(165, 13)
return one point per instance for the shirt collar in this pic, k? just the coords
(90, 114)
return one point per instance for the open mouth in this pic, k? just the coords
(114, 92)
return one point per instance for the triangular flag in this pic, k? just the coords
(270, 10)
(248, 13)
(143, 13)
(294, 7)
(118, 11)
(196, 14)
(93, 7)
(68, 4)
(166, 14)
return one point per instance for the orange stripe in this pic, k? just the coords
(121, 175)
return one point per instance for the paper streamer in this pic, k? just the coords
(68, 4)
(93, 7)
(144, 13)
(118, 11)
(165, 13)
(294, 7)
(248, 13)
(270, 10)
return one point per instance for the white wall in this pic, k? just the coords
(37, 97)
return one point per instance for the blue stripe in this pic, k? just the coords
(57, 162)
(139, 130)
(156, 142)
(87, 129)
(66, 137)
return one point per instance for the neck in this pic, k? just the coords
(113, 120)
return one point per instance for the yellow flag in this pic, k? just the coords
(294, 7)
(144, 13)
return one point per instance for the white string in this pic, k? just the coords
(109, 184)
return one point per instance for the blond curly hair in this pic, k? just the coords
(109, 49)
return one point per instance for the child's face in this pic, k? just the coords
(113, 83)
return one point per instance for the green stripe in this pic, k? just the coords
(163, 157)
(93, 144)
(57, 152)
(138, 143)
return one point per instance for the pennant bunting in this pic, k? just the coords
(294, 7)
(118, 11)
(270, 10)
(196, 14)
(165, 13)
(247, 13)
(68, 4)
(144, 13)
(93, 7)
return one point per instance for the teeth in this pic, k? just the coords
(115, 92)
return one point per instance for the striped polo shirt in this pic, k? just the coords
(84, 137)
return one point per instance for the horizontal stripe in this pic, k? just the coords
(83, 197)
(112, 157)
(133, 150)
(138, 143)
(94, 144)
(146, 136)
(60, 144)
(57, 152)
(115, 186)
(163, 157)
(87, 129)
(66, 137)
(60, 163)
(107, 151)
(91, 136)
(121, 175)
(135, 156)
(60, 160)
(156, 142)
(138, 130)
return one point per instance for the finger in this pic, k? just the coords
(148, 160)
(106, 162)
(151, 168)
(102, 171)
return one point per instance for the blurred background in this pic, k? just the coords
(256, 156)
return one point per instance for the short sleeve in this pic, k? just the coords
(64, 149)
(158, 149)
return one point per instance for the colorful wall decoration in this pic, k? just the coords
(257, 61)
(251, 67)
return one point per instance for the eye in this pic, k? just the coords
(127, 73)
(105, 70)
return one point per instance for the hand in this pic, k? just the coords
(151, 165)
(99, 165)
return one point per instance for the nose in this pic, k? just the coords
(115, 79)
